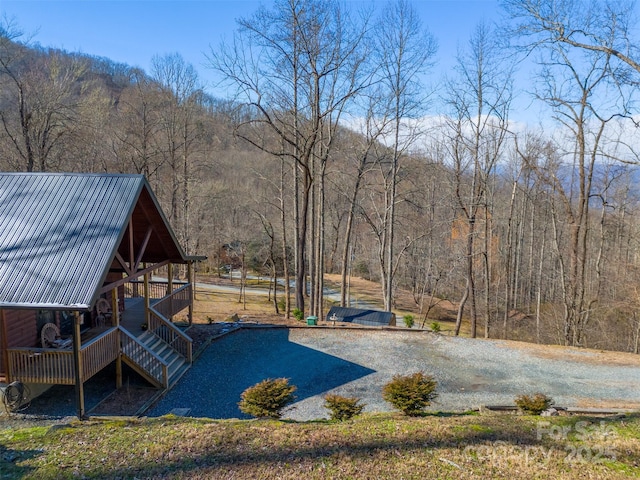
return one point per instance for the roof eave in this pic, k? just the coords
(44, 306)
(196, 258)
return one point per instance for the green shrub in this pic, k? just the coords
(410, 393)
(535, 404)
(282, 304)
(298, 314)
(343, 408)
(408, 321)
(267, 398)
(435, 327)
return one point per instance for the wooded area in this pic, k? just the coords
(332, 152)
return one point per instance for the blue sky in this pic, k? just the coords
(133, 32)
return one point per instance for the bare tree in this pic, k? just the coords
(39, 103)
(480, 100)
(406, 52)
(180, 131)
(297, 67)
(601, 27)
(363, 154)
(137, 126)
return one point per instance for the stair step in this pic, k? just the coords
(177, 375)
(169, 358)
(146, 337)
(175, 362)
(174, 367)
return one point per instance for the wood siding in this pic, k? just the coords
(21, 331)
(21, 328)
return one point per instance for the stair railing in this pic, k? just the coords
(154, 366)
(167, 331)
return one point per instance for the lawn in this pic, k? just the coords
(372, 446)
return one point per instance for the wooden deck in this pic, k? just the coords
(132, 317)
(56, 366)
(102, 345)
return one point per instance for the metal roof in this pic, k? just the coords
(361, 316)
(59, 234)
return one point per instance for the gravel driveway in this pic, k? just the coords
(470, 373)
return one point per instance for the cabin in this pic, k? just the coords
(87, 268)
(361, 316)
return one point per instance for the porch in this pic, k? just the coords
(141, 334)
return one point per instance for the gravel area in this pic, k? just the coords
(470, 373)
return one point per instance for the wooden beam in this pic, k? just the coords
(170, 289)
(115, 310)
(143, 248)
(147, 301)
(115, 320)
(132, 258)
(78, 366)
(153, 218)
(121, 261)
(191, 280)
(4, 345)
(128, 278)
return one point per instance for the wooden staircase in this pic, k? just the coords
(153, 358)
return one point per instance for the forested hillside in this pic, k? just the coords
(333, 152)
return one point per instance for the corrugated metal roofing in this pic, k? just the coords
(58, 235)
(361, 316)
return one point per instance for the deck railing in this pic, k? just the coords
(174, 303)
(143, 358)
(157, 288)
(99, 352)
(171, 334)
(56, 366)
(42, 365)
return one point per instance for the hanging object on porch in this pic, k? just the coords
(50, 337)
(103, 308)
(49, 334)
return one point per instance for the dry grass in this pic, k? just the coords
(582, 355)
(373, 446)
(220, 306)
(216, 306)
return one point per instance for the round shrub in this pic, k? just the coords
(534, 404)
(343, 408)
(267, 398)
(410, 394)
(408, 321)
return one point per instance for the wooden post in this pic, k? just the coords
(115, 310)
(115, 320)
(147, 302)
(4, 345)
(191, 280)
(77, 345)
(170, 289)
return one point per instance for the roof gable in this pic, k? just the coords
(59, 234)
